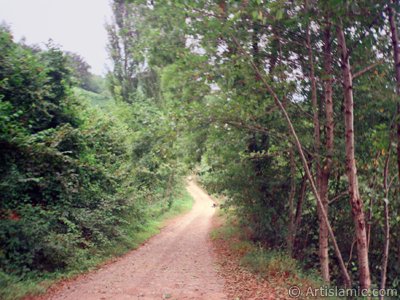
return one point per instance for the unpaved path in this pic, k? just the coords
(178, 263)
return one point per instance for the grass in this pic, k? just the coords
(277, 267)
(97, 100)
(13, 287)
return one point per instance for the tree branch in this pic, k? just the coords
(365, 70)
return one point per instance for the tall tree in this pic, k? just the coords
(396, 60)
(320, 174)
(123, 36)
(356, 203)
(329, 127)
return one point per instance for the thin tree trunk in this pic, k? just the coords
(386, 245)
(371, 204)
(396, 56)
(323, 230)
(329, 146)
(351, 169)
(345, 274)
(291, 230)
(300, 201)
(301, 197)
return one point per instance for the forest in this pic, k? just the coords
(288, 112)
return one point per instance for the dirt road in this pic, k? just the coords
(178, 263)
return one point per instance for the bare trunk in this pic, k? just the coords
(323, 231)
(330, 126)
(322, 181)
(291, 230)
(300, 201)
(322, 186)
(371, 204)
(386, 245)
(329, 144)
(351, 170)
(396, 56)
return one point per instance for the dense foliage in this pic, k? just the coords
(74, 180)
(60, 168)
(289, 110)
(82, 75)
(222, 67)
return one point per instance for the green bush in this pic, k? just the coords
(63, 169)
(75, 180)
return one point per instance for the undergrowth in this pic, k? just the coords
(13, 287)
(273, 265)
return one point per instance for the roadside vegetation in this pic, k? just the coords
(81, 179)
(289, 110)
(252, 271)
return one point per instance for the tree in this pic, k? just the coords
(355, 199)
(240, 75)
(81, 72)
(123, 36)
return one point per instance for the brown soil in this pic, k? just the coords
(178, 263)
(240, 283)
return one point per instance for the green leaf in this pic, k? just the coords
(279, 14)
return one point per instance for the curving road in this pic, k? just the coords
(178, 263)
